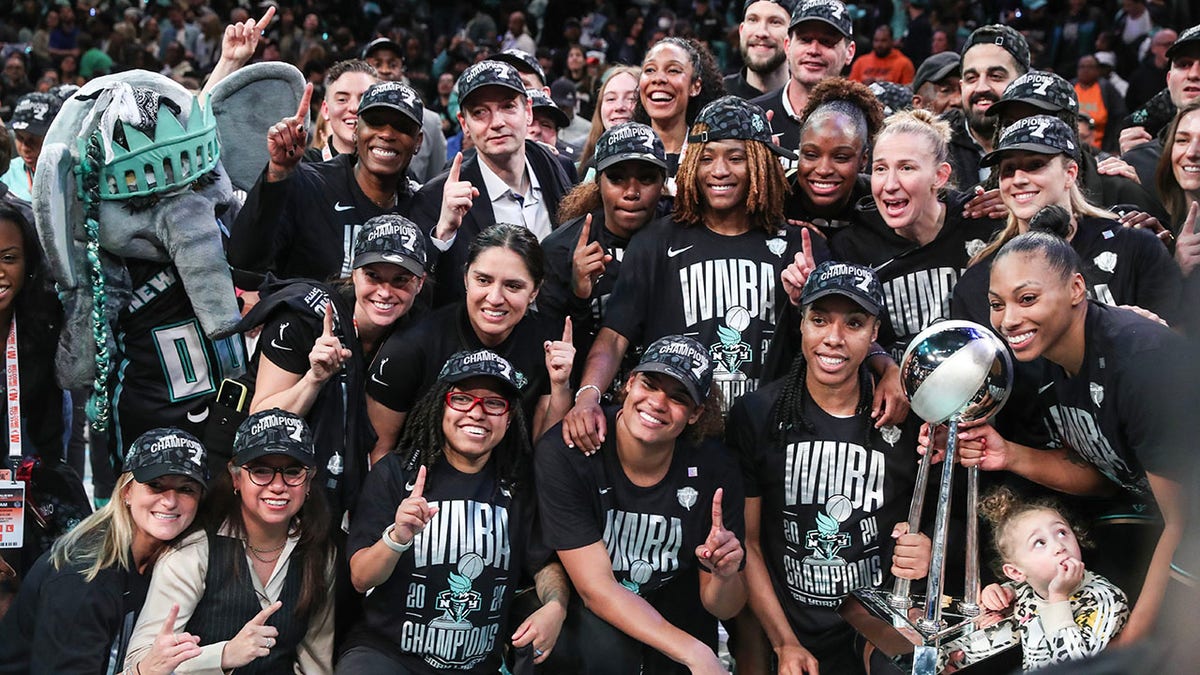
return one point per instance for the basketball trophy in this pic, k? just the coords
(953, 372)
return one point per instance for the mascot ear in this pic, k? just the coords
(246, 104)
(55, 210)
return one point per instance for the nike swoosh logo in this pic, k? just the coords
(1044, 387)
(337, 206)
(276, 345)
(376, 380)
(409, 486)
(671, 253)
(604, 491)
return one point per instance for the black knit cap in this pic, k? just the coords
(1002, 36)
(731, 117)
(167, 452)
(274, 432)
(857, 282)
(683, 359)
(1042, 134)
(829, 12)
(627, 141)
(482, 363)
(1042, 90)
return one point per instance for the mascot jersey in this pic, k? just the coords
(162, 348)
(444, 608)
(830, 497)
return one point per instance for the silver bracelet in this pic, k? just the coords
(585, 387)
(391, 543)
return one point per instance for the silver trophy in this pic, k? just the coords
(953, 372)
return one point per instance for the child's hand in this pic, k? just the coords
(996, 598)
(910, 559)
(1068, 578)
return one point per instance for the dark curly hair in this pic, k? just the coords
(856, 94)
(704, 68)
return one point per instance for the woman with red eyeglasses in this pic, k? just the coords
(443, 533)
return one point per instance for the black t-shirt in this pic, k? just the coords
(1129, 409)
(556, 300)
(829, 503)
(736, 85)
(1121, 265)
(720, 290)
(165, 369)
(917, 280)
(60, 623)
(408, 363)
(651, 533)
(797, 206)
(785, 127)
(445, 606)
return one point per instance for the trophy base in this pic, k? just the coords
(900, 634)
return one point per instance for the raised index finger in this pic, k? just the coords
(168, 627)
(327, 331)
(585, 232)
(1192, 219)
(568, 332)
(418, 490)
(455, 168)
(806, 248)
(718, 520)
(260, 619)
(305, 98)
(266, 19)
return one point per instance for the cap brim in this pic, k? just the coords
(937, 75)
(674, 373)
(1181, 45)
(462, 99)
(407, 262)
(146, 474)
(517, 62)
(993, 157)
(781, 151)
(382, 105)
(509, 387)
(823, 20)
(998, 106)
(559, 116)
(859, 299)
(630, 157)
(251, 454)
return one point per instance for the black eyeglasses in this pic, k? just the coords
(464, 402)
(265, 475)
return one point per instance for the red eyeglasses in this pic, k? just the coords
(464, 402)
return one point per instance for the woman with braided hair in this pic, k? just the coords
(455, 508)
(827, 492)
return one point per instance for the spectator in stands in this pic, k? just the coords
(762, 40)
(1074, 34)
(1138, 147)
(918, 42)
(548, 120)
(1150, 77)
(617, 98)
(884, 63)
(1099, 100)
(936, 85)
(30, 121)
(517, 36)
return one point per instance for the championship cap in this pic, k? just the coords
(1046, 91)
(732, 117)
(482, 363)
(167, 452)
(937, 68)
(1002, 36)
(391, 238)
(682, 358)
(542, 102)
(382, 43)
(894, 97)
(629, 140)
(274, 432)
(857, 282)
(489, 73)
(393, 96)
(1042, 134)
(521, 60)
(34, 112)
(1186, 39)
(830, 12)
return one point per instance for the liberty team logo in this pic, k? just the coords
(639, 573)
(731, 352)
(827, 539)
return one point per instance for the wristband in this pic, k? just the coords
(878, 352)
(585, 387)
(391, 543)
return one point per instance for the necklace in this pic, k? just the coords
(260, 554)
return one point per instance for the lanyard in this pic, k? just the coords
(12, 380)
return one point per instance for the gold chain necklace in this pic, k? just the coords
(260, 553)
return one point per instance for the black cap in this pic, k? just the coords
(34, 113)
(1042, 134)
(937, 68)
(629, 141)
(391, 238)
(382, 43)
(521, 60)
(831, 12)
(393, 96)
(1002, 36)
(788, 6)
(1186, 39)
(274, 432)
(857, 282)
(488, 73)
(732, 117)
(682, 358)
(167, 452)
(542, 102)
(1045, 91)
(483, 363)
(894, 97)
(564, 93)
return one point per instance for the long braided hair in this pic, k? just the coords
(789, 407)
(98, 403)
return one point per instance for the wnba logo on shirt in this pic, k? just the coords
(648, 538)
(816, 471)
(1080, 431)
(915, 299)
(464, 528)
(711, 288)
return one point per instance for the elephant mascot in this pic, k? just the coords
(135, 178)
